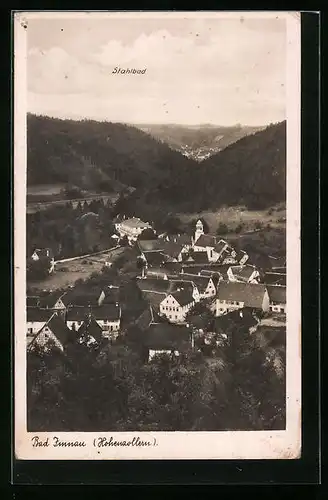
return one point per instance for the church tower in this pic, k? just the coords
(199, 230)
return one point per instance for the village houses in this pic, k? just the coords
(231, 296)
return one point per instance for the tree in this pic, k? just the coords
(222, 229)
(147, 234)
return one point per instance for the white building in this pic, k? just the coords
(176, 305)
(131, 228)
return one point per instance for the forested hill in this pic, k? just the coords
(99, 155)
(251, 171)
(95, 155)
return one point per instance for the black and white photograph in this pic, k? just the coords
(157, 226)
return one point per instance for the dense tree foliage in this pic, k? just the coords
(108, 156)
(240, 386)
(71, 231)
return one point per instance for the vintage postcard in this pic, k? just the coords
(157, 235)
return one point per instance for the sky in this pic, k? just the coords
(198, 70)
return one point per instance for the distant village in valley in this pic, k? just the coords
(164, 294)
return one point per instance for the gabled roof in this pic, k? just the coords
(77, 313)
(243, 272)
(183, 297)
(154, 298)
(112, 294)
(153, 284)
(167, 336)
(83, 298)
(51, 298)
(155, 259)
(150, 245)
(172, 249)
(201, 282)
(147, 317)
(38, 315)
(60, 330)
(181, 239)
(220, 246)
(275, 278)
(206, 240)
(90, 327)
(251, 294)
(199, 257)
(277, 294)
(110, 312)
(240, 255)
(172, 267)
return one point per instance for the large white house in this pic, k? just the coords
(176, 305)
(131, 228)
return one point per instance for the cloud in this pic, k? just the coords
(235, 73)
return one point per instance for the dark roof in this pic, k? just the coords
(112, 294)
(240, 255)
(51, 298)
(197, 268)
(83, 297)
(60, 330)
(275, 279)
(154, 298)
(167, 336)
(147, 317)
(181, 239)
(155, 258)
(109, 312)
(251, 294)
(183, 297)
(220, 246)
(91, 328)
(206, 240)
(208, 273)
(32, 301)
(172, 267)
(38, 315)
(198, 257)
(238, 317)
(243, 272)
(201, 282)
(77, 313)
(172, 249)
(153, 284)
(277, 294)
(150, 245)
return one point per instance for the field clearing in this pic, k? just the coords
(44, 189)
(67, 273)
(233, 216)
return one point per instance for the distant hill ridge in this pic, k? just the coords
(106, 156)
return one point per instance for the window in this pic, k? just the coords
(30, 330)
(176, 317)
